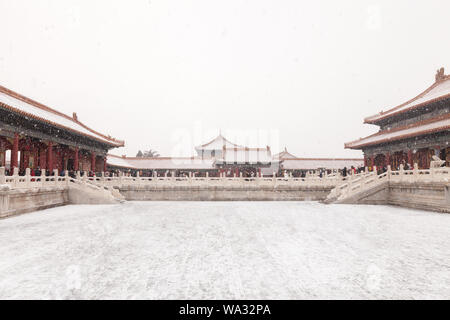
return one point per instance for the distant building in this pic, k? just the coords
(220, 156)
(162, 165)
(283, 155)
(233, 158)
(412, 132)
(251, 160)
(214, 148)
(297, 166)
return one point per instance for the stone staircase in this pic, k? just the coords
(373, 188)
(358, 186)
(85, 191)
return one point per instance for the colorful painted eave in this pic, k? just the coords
(433, 125)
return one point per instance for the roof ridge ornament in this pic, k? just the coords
(440, 75)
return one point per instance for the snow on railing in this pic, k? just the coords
(439, 174)
(15, 181)
(54, 181)
(342, 186)
(222, 181)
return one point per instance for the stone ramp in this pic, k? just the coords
(84, 192)
(376, 194)
(426, 189)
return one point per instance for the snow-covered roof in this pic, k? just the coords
(437, 124)
(162, 163)
(30, 108)
(319, 163)
(246, 155)
(217, 144)
(284, 155)
(440, 90)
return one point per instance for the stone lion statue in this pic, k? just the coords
(436, 162)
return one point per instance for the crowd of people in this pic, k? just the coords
(352, 170)
(247, 172)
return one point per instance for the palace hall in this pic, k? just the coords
(412, 132)
(35, 136)
(221, 157)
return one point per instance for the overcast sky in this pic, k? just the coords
(152, 71)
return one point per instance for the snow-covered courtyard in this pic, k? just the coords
(225, 250)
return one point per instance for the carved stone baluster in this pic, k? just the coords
(2, 175)
(15, 177)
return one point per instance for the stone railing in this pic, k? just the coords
(16, 181)
(343, 186)
(27, 181)
(361, 182)
(55, 181)
(441, 174)
(223, 181)
(369, 180)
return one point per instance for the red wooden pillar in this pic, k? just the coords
(22, 161)
(42, 159)
(15, 152)
(26, 159)
(410, 159)
(236, 172)
(93, 161)
(59, 159)
(75, 160)
(259, 172)
(25, 154)
(388, 159)
(50, 157)
(104, 164)
(2, 153)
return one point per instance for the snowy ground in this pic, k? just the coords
(214, 250)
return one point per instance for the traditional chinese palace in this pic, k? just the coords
(222, 157)
(34, 135)
(412, 132)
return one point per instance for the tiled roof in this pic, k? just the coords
(320, 163)
(284, 155)
(217, 144)
(439, 91)
(428, 126)
(246, 155)
(29, 108)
